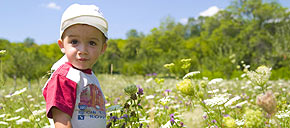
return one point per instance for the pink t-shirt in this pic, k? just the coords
(77, 93)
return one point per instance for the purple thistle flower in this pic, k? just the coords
(140, 91)
(213, 121)
(171, 115)
(226, 115)
(166, 107)
(149, 74)
(154, 74)
(114, 118)
(204, 117)
(172, 120)
(124, 116)
(181, 124)
(167, 90)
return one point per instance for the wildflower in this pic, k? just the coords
(267, 102)
(215, 81)
(203, 84)
(159, 81)
(39, 112)
(169, 66)
(114, 118)
(283, 114)
(149, 97)
(253, 118)
(167, 125)
(129, 90)
(214, 91)
(2, 122)
(19, 92)
(164, 101)
(185, 60)
(13, 118)
(240, 122)
(114, 108)
(200, 94)
(185, 66)
(2, 52)
(185, 87)
(241, 104)
(217, 100)
(172, 121)
(191, 74)
(167, 90)
(3, 115)
(22, 120)
(149, 80)
(230, 102)
(140, 91)
(181, 124)
(124, 116)
(229, 122)
(20, 109)
(260, 76)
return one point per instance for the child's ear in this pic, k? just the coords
(104, 48)
(60, 44)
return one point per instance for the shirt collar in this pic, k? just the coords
(87, 71)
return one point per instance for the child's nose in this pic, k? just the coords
(83, 49)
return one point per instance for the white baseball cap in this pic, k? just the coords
(84, 14)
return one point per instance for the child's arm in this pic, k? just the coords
(61, 119)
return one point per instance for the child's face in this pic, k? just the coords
(82, 44)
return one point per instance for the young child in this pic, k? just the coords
(72, 93)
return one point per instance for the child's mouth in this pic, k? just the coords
(82, 59)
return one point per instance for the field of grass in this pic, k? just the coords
(155, 102)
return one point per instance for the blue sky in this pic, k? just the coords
(40, 19)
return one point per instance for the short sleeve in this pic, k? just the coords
(60, 92)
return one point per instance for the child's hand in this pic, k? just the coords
(61, 119)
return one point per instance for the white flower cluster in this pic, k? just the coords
(16, 93)
(164, 101)
(2, 52)
(38, 112)
(240, 122)
(260, 76)
(283, 114)
(215, 81)
(22, 120)
(231, 101)
(217, 100)
(190, 75)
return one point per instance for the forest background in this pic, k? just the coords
(246, 33)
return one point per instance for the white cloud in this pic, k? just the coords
(210, 11)
(53, 5)
(183, 21)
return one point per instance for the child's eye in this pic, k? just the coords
(74, 42)
(93, 43)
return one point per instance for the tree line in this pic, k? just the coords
(247, 32)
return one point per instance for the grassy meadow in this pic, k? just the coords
(153, 101)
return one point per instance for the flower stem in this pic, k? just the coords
(29, 109)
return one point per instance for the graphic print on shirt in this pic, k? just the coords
(92, 104)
